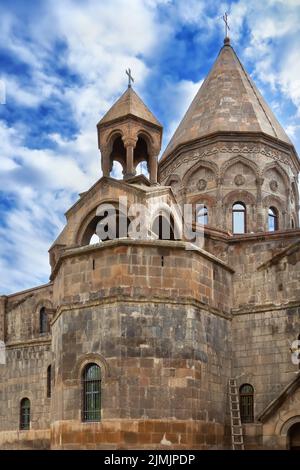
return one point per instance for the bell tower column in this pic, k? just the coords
(129, 144)
(153, 167)
(106, 164)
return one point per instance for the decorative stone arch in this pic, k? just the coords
(209, 201)
(89, 358)
(107, 150)
(273, 200)
(166, 212)
(49, 310)
(286, 180)
(201, 164)
(130, 143)
(287, 425)
(279, 205)
(294, 218)
(276, 166)
(239, 159)
(147, 137)
(110, 138)
(240, 195)
(206, 199)
(284, 425)
(25, 393)
(86, 224)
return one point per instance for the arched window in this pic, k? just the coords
(44, 324)
(238, 218)
(246, 403)
(292, 223)
(49, 381)
(202, 216)
(272, 219)
(111, 225)
(162, 227)
(91, 393)
(25, 414)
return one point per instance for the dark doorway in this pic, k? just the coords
(294, 437)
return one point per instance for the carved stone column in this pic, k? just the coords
(288, 223)
(297, 216)
(106, 164)
(219, 217)
(130, 146)
(260, 222)
(153, 166)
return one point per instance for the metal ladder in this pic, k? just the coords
(237, 439)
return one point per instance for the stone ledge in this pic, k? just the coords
(118, 299)
(175, 245)
(25, 440)
(263, 308)
(29, 342)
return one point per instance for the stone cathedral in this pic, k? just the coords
(133, 342)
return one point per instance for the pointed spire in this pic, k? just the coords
(228, 101)
(129, 104)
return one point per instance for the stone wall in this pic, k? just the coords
(261, 351)
(28, 354)
(265, 274)
(22, 313)
(25, 376)
(276, 428)
(137, 269)
(165, 368)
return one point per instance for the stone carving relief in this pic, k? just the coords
(239, 180)
(201, 185)
(170, 167)
(276, 180)
(273, 185)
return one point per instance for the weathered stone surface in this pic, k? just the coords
(168, 325)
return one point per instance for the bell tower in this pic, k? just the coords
(129, 134)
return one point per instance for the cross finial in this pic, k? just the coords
(130, 77)
(225, 19)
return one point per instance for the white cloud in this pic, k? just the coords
(291, 129)
(43, 182)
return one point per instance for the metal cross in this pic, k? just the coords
(225, 19)
(130, 77)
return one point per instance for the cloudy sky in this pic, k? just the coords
(62, 67)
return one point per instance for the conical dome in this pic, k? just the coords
(129, 104)
(228, 101)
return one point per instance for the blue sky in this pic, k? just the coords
(62, 67)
